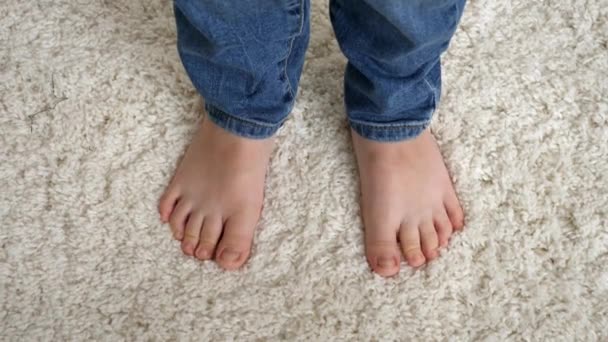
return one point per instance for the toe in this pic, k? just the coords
(167, 203)
(381, 249)
(210, 235)
(383, 256)
(235, 244)
(409, 237)
(428, 240)
(192, 232)
(177, 220)
(454, 210)
(443, 227)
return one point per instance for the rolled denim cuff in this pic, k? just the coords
(245, 128)
(389, 132)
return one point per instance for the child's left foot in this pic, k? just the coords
(408, 203)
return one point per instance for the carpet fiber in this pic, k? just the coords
(96, 109)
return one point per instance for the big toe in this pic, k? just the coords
(235, 246)
(382, 251)
(382, 258)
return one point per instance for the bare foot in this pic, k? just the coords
(408, 203)
(214, 200)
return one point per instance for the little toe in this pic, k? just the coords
(235, 244)
(454, 210)
(443, 227)
(429, 240)
(167, 203)
(192, 233)
(177, 220)
(210, 235)
(409, 237)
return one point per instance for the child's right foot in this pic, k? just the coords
(214, 200)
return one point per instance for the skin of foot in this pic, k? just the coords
(214, 200)
(408, 203)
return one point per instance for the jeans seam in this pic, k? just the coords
(302, 15)
(434, 90)
(285, 68)
(293, 39)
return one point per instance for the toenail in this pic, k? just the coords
(416, 259)
(385, 262)
(230, 256)
(188, 248)
(204, 254)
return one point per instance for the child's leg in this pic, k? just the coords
(245, 58)
(392, 86)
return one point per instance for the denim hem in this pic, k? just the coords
(245, 128)
(389, 132)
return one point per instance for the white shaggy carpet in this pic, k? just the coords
(95, 110)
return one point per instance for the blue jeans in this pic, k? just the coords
(245, 57)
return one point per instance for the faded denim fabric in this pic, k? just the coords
(245, 57)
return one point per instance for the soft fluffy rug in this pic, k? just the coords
(96, 110)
